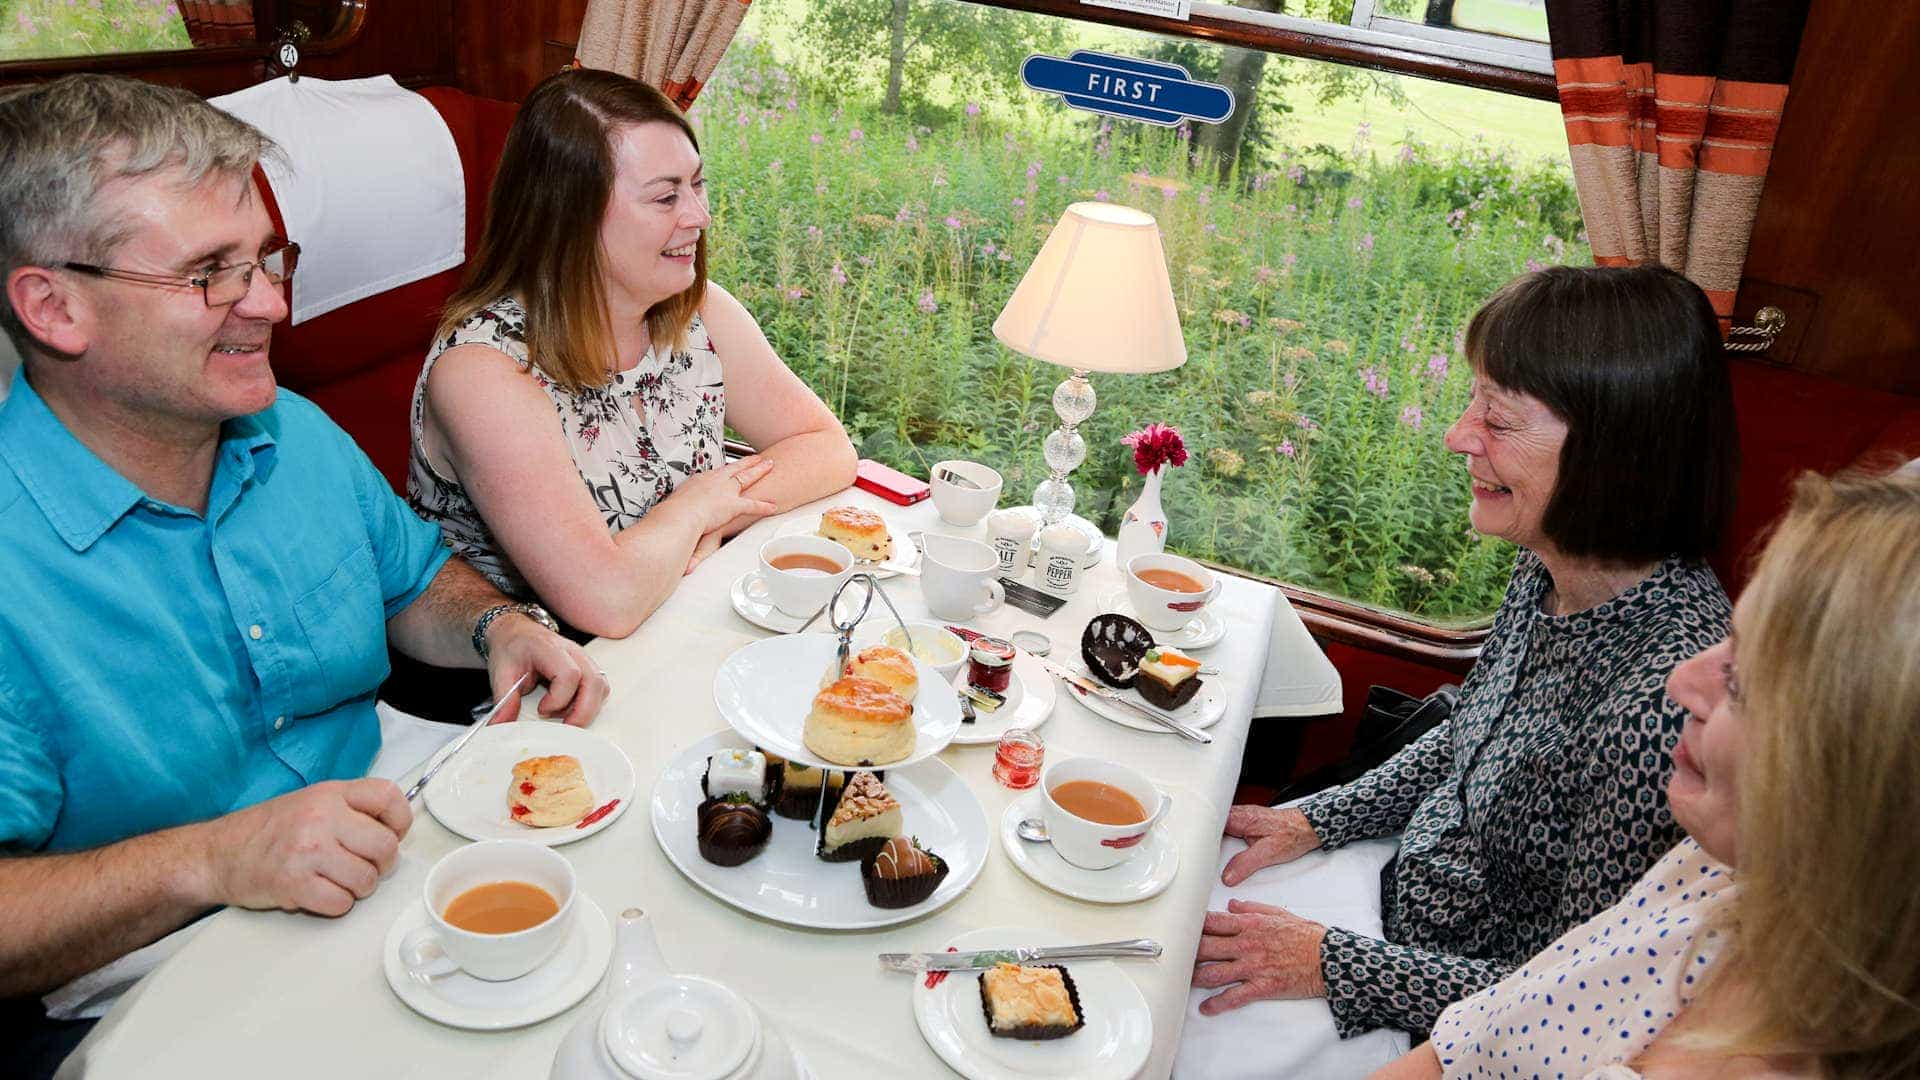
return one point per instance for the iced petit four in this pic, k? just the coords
(734, 769)
(1030, 1002)
(799, 789)
(732, 829)
(548, 791)
(1168, 677)
(901, 874)
(859, 721)
(867, 815)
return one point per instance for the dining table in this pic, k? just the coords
(286, 994)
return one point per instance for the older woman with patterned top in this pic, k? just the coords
(568, 423)
(1782, 937)
(1600, 439)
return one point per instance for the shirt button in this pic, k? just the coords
(279, 722)
(254, 631)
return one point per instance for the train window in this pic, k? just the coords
(883, 179)
(47, 28)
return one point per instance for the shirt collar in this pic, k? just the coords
(82, 496)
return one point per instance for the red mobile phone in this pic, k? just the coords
(890, 484)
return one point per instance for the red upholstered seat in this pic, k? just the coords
(359, 362)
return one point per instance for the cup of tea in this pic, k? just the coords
(497, 909)
(957, 578)
(1097, 812)
(964, 491)
(799, 573)
(1166, 590)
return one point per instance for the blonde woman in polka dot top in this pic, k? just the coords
(1782, 937)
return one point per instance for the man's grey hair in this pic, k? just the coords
(63, 143)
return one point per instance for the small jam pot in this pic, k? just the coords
(990, 664)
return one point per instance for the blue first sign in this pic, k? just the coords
(1147, 90)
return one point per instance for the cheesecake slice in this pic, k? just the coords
(867, 817)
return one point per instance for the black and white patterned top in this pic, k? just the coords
(633, 440)
(1538, 803)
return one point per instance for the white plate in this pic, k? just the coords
(1113, 1045)
(1204, 710)
(1142, 877)
(765, 690)
(905, 555)
(787, 882)
(470, 795)
(1031, 696)
(1206, 628)
(751, 602)
(462, 1001)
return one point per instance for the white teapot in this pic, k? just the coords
(656, 1025)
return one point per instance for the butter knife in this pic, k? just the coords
(1081, 682)
(486, 718)
(981, 959)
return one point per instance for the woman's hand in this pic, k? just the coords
(718, 496)
(1270, 952)
(1273, 836)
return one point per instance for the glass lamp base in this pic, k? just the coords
(1096, 543)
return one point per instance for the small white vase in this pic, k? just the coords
(1143, 530)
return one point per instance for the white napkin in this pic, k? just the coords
(1293, 1039)
(405, 741)
(375, 197)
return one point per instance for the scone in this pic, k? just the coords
(867, 817)
(888, 665)
(862, 532)
(549, 791)
(859, 721)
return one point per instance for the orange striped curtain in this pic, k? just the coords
(671, 44)
(1672, 107)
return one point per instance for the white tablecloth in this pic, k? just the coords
(288, 995)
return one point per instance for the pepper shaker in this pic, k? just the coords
(1061, 548)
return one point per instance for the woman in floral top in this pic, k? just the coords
(568, 423)
(1600, 439)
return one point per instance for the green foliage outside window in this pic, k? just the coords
(42, 28)
(1322, 292)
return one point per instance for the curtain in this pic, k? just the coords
(1672, 108)
(671, 44)
(218, 22)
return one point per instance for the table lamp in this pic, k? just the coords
(1097, 298)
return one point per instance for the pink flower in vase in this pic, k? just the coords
(1156, 445)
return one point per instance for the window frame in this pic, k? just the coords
(1521, 54)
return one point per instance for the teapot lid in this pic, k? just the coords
(680, 1028)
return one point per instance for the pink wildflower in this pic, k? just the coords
(1018, 203)
(1437, 366)
(837, 275)
(1355, 202)
(1412, 417)
(987, 248)
(795, 292)
(1286, 448)
(1376, 382)
(1100, 196)
(928, 304)
(913, 144)
(1366, 242)
(1534, 266)
(951, 222)
(856, 135)
(973, 108)
(815, 138)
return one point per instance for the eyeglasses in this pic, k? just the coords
(222, 285)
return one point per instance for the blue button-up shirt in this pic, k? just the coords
(160, 666)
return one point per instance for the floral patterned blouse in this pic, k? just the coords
(1538, 803)
(633, 440)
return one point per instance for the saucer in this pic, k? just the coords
(1114, 1044)
(1142, 877)
(751, 602)
(1030, 696)
(462, 1001)
(1206, 628)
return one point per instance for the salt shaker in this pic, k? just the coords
(1061, 548)
(1011, 534)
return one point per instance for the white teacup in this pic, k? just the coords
(959, 504)
(440, 948)
(1168, 609)
(957, 577)
(801, 592)
(1089, 844)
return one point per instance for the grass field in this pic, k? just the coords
(38, 28)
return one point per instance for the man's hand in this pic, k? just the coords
(317, 849)
(516, 646)
(1273, 836)
(1269, 951)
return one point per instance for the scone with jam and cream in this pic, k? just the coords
(549, 791)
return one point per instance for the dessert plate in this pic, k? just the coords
(765, 690)
(470, 795)
(1031, 695)
(1206, 627)
(751, 602)
(1142, 877)
(1204, 710)
(1113, 1045)
(787, 882)
(906, 555)
(462, 1001)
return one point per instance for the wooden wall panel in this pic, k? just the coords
(1839, 223)
(503, 48)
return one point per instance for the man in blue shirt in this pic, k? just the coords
(202, 572)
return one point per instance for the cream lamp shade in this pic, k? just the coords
(1097, 297)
